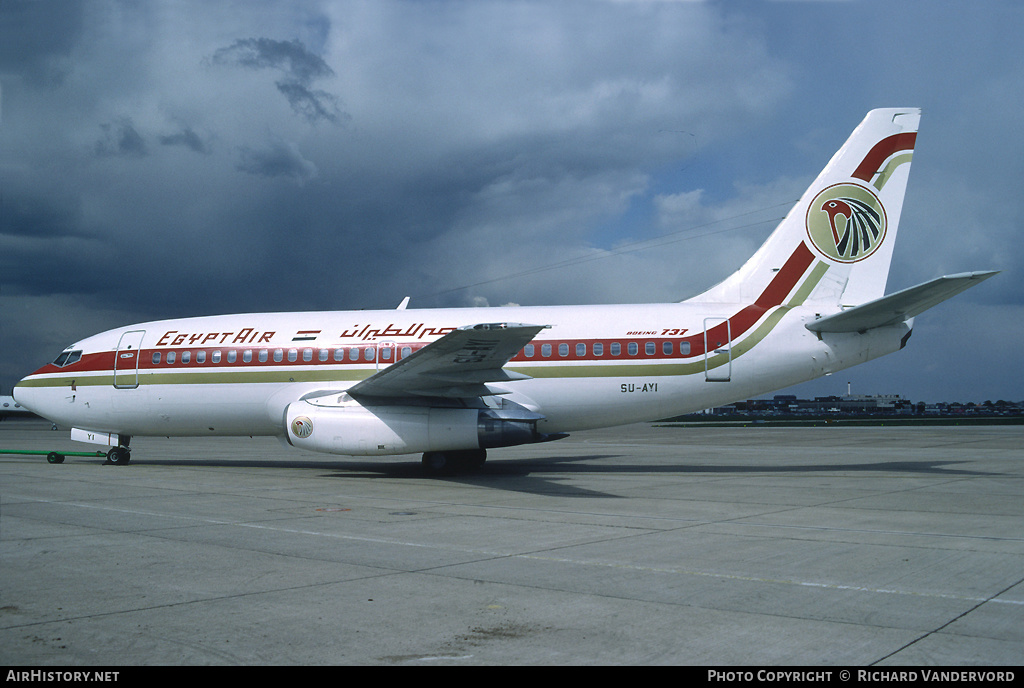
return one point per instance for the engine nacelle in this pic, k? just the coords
(338, 425)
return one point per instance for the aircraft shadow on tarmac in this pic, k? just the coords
(546, 475)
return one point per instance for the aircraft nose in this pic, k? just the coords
(29, 397)
(19, 393)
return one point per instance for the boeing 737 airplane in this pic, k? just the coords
(452, 383)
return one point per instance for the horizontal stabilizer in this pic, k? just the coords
(901, 306)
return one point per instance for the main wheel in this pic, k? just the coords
(451, 462)
(438, 463)
(54, 457)
(474, 458)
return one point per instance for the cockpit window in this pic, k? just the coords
(66, 358)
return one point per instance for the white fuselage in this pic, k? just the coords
(594, 366)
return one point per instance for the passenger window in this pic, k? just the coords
(368, 353)
(353, 354)
(232, 356)
(307, 355)
(200, 357)
(323, 355)
(666, 348)
(684, 348)
(215, 357)
(581, 349)
(156, 357)
(598, 349)
(247, 356)
(186, 356)
(385, 353)
(649, 348)
(262, 356)
(632, 348)
(563, 349)
(616, 348)
(293, 355)
(528, 351)
(171, 357)
(406, 351)
(545, 350)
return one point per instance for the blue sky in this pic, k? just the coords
(163, 159)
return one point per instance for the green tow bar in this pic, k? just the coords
(51, 457)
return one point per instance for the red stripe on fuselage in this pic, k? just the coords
(773, 295)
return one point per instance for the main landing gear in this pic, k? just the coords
(442, 463)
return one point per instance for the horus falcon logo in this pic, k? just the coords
(302, 427)
(846, 222)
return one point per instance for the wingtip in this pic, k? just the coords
(974, 275)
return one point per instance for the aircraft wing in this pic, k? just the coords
(459, 364)
(896, 308)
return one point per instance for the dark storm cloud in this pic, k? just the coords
(299, 67)
(121, 139)
(277, 160)
(43, 244)
(290, 57)
(312, 104)
(187, 138)
(25, 214)
(37, 36)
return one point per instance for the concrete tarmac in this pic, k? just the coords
(639, 545)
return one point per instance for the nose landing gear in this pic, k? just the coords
(121, 454)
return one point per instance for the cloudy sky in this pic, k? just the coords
(164, 159)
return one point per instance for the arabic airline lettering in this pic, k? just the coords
(452, 383)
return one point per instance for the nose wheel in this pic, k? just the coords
(119, 456)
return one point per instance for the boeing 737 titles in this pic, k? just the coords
(452, 383)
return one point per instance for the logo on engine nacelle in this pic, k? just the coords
(302, 427)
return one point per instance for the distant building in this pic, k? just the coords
(863, 404)
(860, 403)
(847, 404)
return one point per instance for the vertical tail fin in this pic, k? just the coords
(838, 239)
